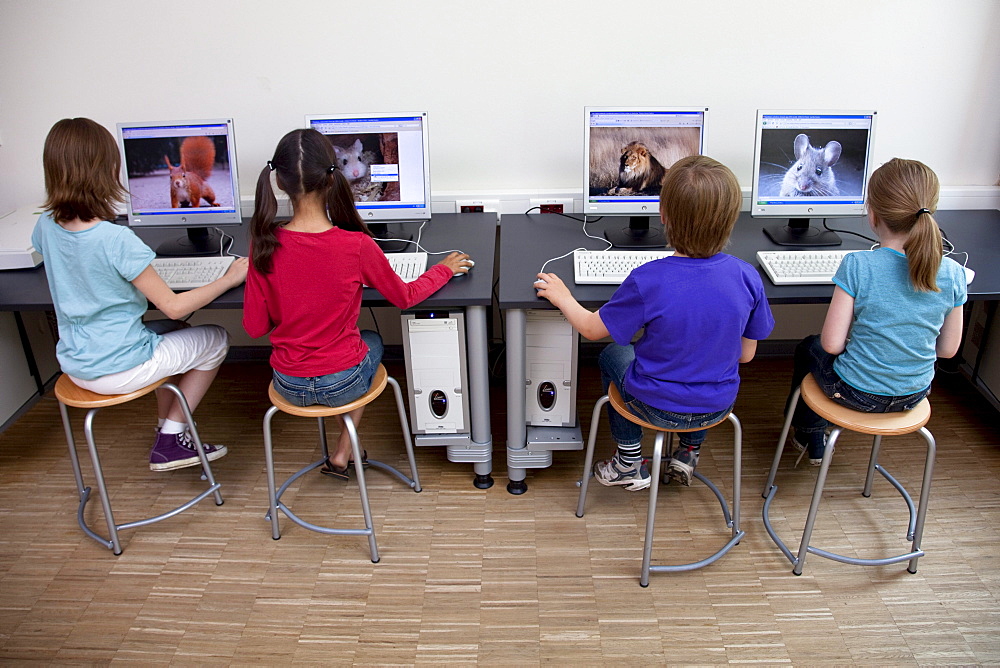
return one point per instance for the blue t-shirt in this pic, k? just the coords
(694, 311)
(98, 309)
(891, 346)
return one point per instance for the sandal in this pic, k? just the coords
(335, 472)
(364, 459)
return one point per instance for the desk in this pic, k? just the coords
(527, 241)
(28, 290)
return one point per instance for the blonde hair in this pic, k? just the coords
(903, 195)
(81, 164)
(700, 202)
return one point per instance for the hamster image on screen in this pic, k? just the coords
(351, 162)
(812, 173)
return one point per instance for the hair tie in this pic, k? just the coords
(331, 169)
(924, 210)
(270, 165)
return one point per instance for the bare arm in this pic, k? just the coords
(176, 305)
(837, 325)
(748, 350)
(951, 334)
(585, 321)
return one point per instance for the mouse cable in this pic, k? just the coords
(857, 234)
(224, 249)
(586, 234)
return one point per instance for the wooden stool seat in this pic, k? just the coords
(320, 412)
(70, 394)
(877, 425)
(882, 424)
(666, 434)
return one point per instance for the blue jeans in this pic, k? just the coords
(334, 389)
(811, 358)
(614, 362)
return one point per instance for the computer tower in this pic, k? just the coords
(436, 371)
(550, 369)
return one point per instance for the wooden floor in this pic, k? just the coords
(481, 576)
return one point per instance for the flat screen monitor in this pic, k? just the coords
(810, 164)
(385, 159)
(181, 174)
(626, 153)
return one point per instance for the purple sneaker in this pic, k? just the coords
(177, 451)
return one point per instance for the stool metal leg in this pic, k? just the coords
(588, 461)
(205, 466)
(814, 505)
(654, 486)
(359, 470)
(404, 424)
(781, 442)
(272, 510)
(102, 490)
(925, 496)
(872, 466)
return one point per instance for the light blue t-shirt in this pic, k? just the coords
(891, 345)
(98, 309)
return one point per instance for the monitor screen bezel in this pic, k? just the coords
(768, 207)
(373, 212)
(203, 216)
(638, 205)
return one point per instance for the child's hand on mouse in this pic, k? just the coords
(458, 263)
(237, 272)
(552, 288)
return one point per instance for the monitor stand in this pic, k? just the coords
(199, 241)
(392, 237)
(798, 233)
(638, 234)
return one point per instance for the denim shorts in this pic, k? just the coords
(333, 389)
(614, 362)
(811, 358)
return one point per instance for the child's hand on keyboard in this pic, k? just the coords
(237, 272)
(458, 263)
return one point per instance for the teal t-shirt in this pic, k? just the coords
(98, 309)
(891, 346)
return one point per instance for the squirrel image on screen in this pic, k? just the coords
(811, 175)
(189, 179)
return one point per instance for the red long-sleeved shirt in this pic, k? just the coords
(311, 300)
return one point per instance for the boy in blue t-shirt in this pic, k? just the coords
(701, 313)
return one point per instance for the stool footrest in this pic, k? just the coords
(700, 564)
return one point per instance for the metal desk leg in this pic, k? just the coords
(477, 340)
(517, 435)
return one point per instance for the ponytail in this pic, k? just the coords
(263, 241)
(340, 204)
(902, 194)
(923, 253)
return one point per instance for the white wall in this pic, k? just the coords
(504, 83)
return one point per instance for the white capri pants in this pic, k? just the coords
(203, 347)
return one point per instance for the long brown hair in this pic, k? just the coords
(700, 200)
(903, 195)
(304, 162)
(82, 165)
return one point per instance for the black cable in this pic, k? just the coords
(857, 234)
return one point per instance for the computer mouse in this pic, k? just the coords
(540, 283)
(969, 275)
(464, 273)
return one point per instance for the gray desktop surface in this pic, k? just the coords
(527, 241)
(28, 289)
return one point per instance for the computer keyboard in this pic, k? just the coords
(187, 273)
(801, 267)
(610, 267)
(408, 266)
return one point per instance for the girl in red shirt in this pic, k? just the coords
(305, 282)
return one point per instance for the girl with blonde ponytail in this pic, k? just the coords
(306, 277)
(894, 311)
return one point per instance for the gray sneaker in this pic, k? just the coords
(683, 462)
(614, 471)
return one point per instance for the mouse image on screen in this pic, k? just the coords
(812, 173)
(350, 161)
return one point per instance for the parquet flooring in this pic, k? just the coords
(480, 576)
